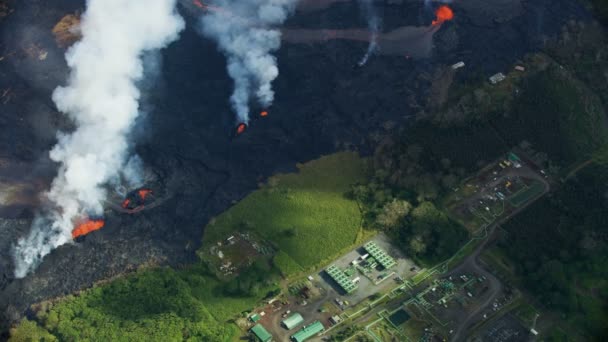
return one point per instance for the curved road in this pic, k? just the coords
(471, 263)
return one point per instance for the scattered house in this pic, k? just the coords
(261, 333)
(308, 332)
(335, 319)
(292, 321)
(458, 65)
(496, 78)
(310, 278)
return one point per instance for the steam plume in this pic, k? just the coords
(373, 23)
(102, 99)
(247, 34)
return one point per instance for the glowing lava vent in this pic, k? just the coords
(264, 113)
(143, 193)
(443, 14)
(87, 226)
(241, 128)
(136, 200)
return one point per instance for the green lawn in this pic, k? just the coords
(304, 214)
(527, 194)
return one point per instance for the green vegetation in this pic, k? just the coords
(526, 313)
(286, 264)
(150, 305)
(560, 250)
(527, 194)
(305, 215)
(559, 115)
(29, 331)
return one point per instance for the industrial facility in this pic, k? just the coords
(379, 255)
(343, 281)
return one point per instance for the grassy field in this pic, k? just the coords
(305, 214)
(527, 194)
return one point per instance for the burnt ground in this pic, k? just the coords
(186, 140)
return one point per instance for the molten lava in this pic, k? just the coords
(143, 193)
(443, 13)
(87, 226)
(264, 113)
(241, 128)
(126, 202)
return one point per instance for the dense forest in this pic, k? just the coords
(158, 305)
(560, 249)
(399, 200)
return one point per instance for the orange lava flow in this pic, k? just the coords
(264, 113)
(143, 193)
(126, 203)
(443, 13)
(86, 227)
(241, 128)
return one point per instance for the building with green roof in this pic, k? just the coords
(377, 253)
(255, 317)
(293, 321)
(261, 333)
(308, 332)
(339, 277)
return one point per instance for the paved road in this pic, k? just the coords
(472, 263)
(494, 287)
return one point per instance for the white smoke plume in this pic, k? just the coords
(373, 24)
(102, 100)
(247, 32)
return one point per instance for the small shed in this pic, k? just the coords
(293, 321)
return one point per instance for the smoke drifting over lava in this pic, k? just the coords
(373, 24)
(248, 35)
(102, 100)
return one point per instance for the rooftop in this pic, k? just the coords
(339, 277)
(308, 332)
(377, 253)
(261, 333)
(293, 321)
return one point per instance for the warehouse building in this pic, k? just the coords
(292, 321)
(308, 332)
(339, 277)
(377, 253)
(261, 333)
